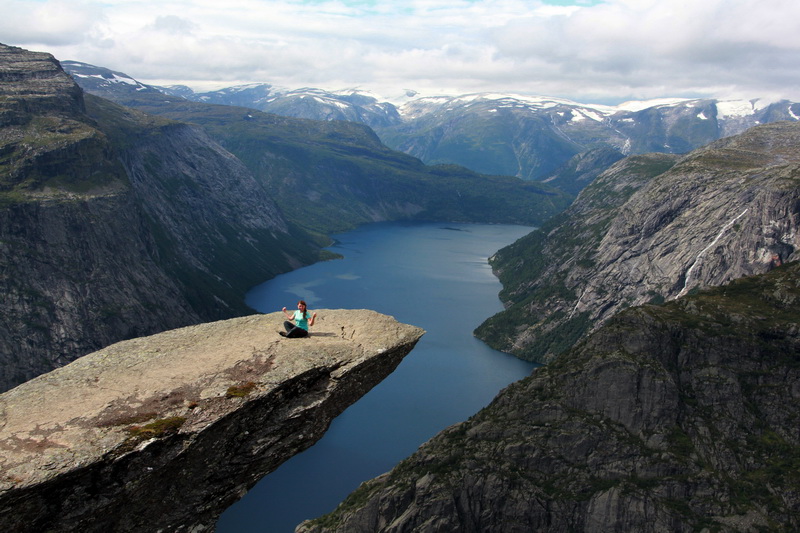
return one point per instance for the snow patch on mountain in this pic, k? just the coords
(640, 105)
(582, 114)
(245, 87)
(735, 108)
(432, 104)
(110, 79)
(332, 102)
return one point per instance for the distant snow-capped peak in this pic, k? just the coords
(425, 105)
(86, 71)
(726, 109)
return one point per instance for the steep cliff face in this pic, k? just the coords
(162, 433)
(117, 225)
(78, 274)
(644, 233)
(680, 417)
(217, 228)
(34, 83)
(75, 246)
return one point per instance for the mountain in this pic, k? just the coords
(330, 176)
(652, 228)
(583, 168)
(115, 224)
(678, 417)
(104, 82)
(533, 138)
(352, 105)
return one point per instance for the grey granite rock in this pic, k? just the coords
(651, 228)
(162, 433)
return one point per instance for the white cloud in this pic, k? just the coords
(53, 23)
(611, 51)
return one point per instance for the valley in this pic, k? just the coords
(659, 288)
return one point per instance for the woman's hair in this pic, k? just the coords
(305, 308)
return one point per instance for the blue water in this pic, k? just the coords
(435, 276)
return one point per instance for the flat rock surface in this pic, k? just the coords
(78, 413)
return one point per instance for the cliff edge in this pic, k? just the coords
(165, 432)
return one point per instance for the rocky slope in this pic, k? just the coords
(679, 417)
(163, 433)
(218, 229)
(583, 169)
(69, 229)
(651, 229)
(115, 225)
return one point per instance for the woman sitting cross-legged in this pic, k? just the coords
(299, 321)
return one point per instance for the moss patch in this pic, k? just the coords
(158, 428)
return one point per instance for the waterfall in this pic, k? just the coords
(697, 259)
(578, 302)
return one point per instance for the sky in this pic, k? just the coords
(590, 51)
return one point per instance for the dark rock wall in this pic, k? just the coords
(32, 82)
(76, 276)
(218, 229)
(682, 417)
(114, 224)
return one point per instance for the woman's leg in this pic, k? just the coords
(296, 333)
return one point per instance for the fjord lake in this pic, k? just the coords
(432, 275)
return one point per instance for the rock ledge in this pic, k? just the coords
(165, 432)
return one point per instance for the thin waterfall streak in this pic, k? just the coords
(725, 228)
(578, 302)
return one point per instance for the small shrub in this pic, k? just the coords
(240, 391)
(157, 428)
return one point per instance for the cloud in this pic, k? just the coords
(586, 50)
(54, 23)
(172, 24)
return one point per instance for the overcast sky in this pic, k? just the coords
(590, 51)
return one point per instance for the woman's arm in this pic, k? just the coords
(313, 317)
(290, 317)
